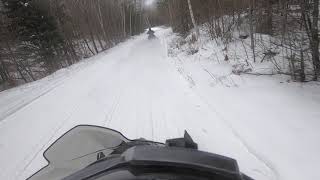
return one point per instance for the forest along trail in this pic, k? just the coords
(132, 88)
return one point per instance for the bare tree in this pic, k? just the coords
(193, 19)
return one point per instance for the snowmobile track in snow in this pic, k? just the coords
(47, 142)
(25, 104)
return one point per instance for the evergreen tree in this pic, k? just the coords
(37, 30)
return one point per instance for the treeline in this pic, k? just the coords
(39, 37)
(292, 25)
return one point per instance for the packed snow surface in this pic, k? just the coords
(270, 125)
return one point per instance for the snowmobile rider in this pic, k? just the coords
(151, 34)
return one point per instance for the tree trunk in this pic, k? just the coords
(91, 35)
(5, 75)
(252, 31)
(302, 67)
(15, 61)
(124, 21)
(193, 19)
(269, 18)
(315, 39)
(88, 46)
(101, 21)
(130, 20)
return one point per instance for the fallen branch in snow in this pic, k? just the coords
(210, 74)
(273, 74)
(240, 68)
(264, 74)
(221, 79)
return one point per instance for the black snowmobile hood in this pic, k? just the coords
(169, 157)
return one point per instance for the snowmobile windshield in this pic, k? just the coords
(77, 149)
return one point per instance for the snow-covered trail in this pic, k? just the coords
(132, 88)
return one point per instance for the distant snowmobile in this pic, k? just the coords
(151, 34)
(97, 153)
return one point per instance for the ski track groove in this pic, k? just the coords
(26, 104)
(241, 140)
(50, 88)
(51, 137)
(110, 115)
(151, 120)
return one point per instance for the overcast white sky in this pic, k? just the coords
(149, 2)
